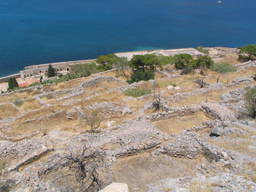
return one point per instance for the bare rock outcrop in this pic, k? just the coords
(219, 111)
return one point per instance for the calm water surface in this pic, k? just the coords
(41, 31)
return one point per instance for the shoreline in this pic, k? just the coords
(127, 54)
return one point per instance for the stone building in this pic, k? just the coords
(41, 70)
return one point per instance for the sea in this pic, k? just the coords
(43, 31)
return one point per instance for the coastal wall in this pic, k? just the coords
(41, 69)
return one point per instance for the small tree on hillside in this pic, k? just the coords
(250, 50)
(107, 61)
(51, 71)
(182, 61)
(143, 67)
(12, 83)
(203, 62)
(93, 118)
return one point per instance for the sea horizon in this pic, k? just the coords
(36, 32)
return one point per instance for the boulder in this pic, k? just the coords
(126, 110)
(219, 111)
(221, 131)
(116, 187)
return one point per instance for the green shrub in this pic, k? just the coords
(107, 61)
(51, 71)
(18, 102)
(203, 50)
(203, 62)
(12, 83)
(141, 75)
(223, 68)
(250, 99)
(84, 70)
(250, 50)
(243, 58)
(143, 67)
(165, 60)
(182, 61)
(2, 165)
(187, 70)
(137, 92)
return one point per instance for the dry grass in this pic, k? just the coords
(180, 123)
(7, 110)
(30, 105)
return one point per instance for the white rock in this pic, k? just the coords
(126, 110)
(110, 123)
(116, 187)
(177, 88)
(170, 87)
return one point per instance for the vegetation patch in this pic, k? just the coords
(84, 70)
(137, 92)
(223, 68)
(18, 102)
(2, 166)
(247, 53)
(203, 50)
(250, 98)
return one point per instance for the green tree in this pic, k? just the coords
(51, 71)
(250, 50)
(107, 61)
(12, 83)
(182, 61)
(203, 62)
(143, 67)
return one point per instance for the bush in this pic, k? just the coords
(107, 61)
(203, 62)
(243, 58)
(93, 118)
(182, 61)
(250, 99)
(165, 60)
(2, 166)
(223, 68)
(203, 50)
(250, 50)
(137, 92)
(12, 83)
(84, 70)
(141, 75)
(51, 71)
(143, 67)
(18, 102)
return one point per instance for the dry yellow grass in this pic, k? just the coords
(180, 123)
(30, 105)
(7, 110)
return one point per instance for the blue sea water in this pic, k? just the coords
(42, 31)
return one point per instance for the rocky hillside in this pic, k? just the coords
(175, 133)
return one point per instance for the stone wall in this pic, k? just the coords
(40, 70)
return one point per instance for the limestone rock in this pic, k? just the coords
(116, 187)
(219, 111)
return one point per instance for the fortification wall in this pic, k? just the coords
(41, 69)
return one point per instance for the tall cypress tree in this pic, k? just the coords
(12, 83)
(51, 71)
